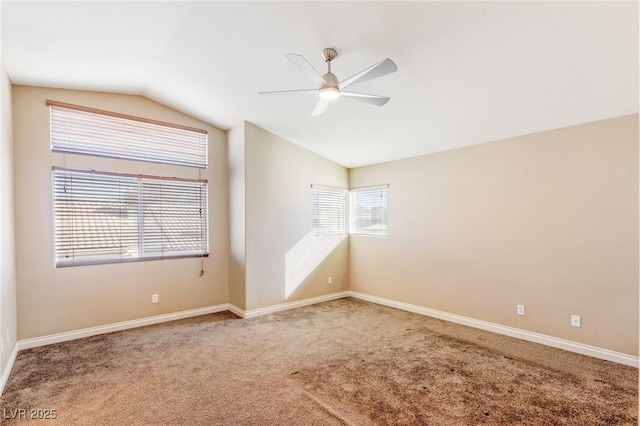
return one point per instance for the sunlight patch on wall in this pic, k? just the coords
(305, 256)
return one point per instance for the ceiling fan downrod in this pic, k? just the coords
(330, 90)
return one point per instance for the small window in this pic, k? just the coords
(368, 210)
(102, 217)
(329, 210)
(81, 130)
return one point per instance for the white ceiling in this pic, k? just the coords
(468, 72)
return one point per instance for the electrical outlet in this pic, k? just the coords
(330, 280)
(154, 298)
(520, 309)
(575, 320)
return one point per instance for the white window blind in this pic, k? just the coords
(368, 210)
(89, 131)
(329, 210)
(102, 217)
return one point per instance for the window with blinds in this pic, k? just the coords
(329, 210)
(81, 130)
(368, 210)
(102, 217)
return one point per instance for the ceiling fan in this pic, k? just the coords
(329, 87)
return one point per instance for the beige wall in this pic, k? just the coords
(278, 214)
(8, 327)
(237, 237)
(548, 220)
(54, 300)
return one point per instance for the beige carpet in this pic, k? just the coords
(344, 362)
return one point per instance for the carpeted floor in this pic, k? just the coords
(344, 362)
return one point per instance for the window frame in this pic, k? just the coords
(72, 130)
(353, 216)
(343, 228)
(59, 261)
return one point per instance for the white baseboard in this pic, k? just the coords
(234, 309)
(459, 319)
(109, 328)
(93, 331)
(508, 331)
(7, 369)
(287, 305)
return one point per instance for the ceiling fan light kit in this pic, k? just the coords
(329, 87)
(329, 92)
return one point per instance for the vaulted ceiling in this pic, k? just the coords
(468, 72)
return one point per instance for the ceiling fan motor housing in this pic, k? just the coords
(331, 79)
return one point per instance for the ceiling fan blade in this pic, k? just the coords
(306, 67)
(321, 106)
(291, 92)
(369, 99)
(384, 67)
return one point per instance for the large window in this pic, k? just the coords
(329, 210)
(368, 210)
(108, 217)
(88, 131)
